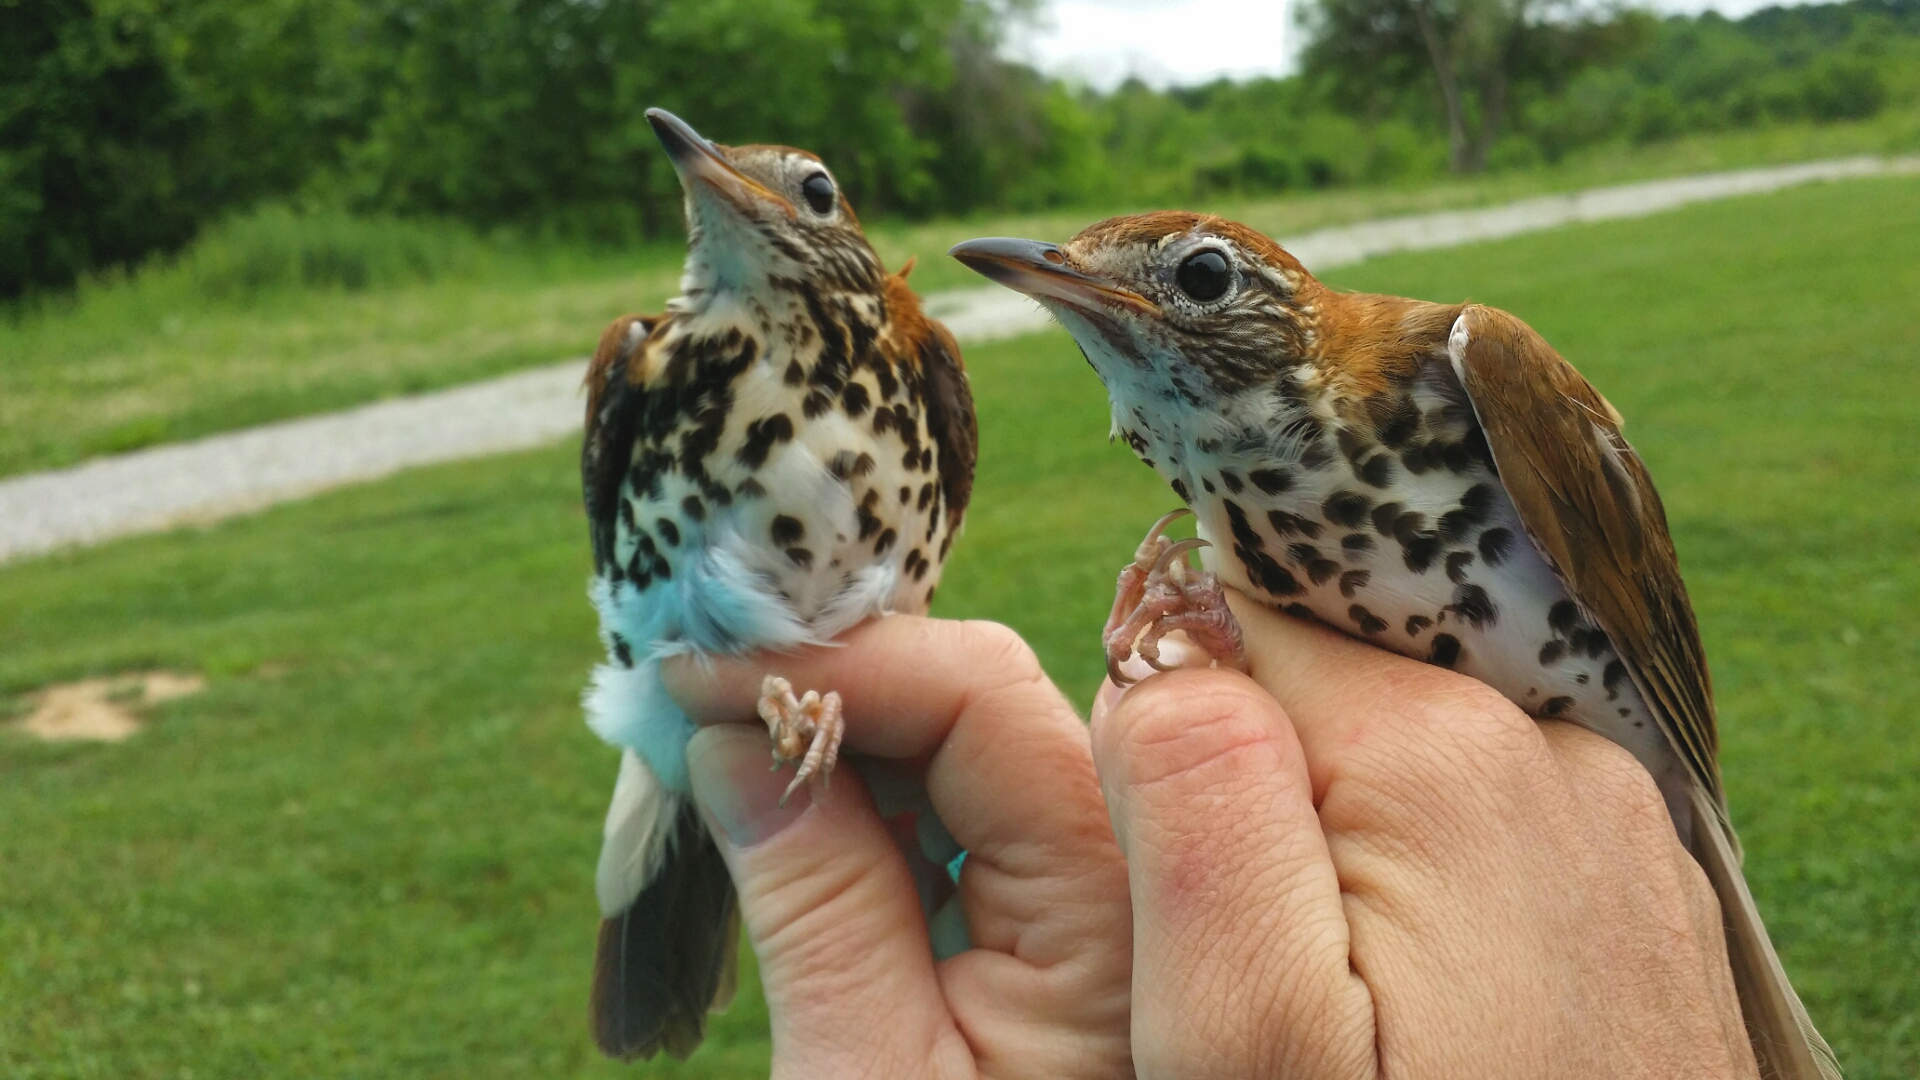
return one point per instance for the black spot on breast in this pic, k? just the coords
(1357, 543)
(1352, 446)
(693, 507)
(622, 651)
(1624, 712)
(1563, 616)
(1319, 571)
(1494, 544)
(816, 404)
(795, 373)
(886, 540)
(1272, 481)
(1457, 563)
(1417, 625)
(1376, 471)
(1445, 652)
(1583, 678)
(1419, 457)
(800, 557)
(1591, 641)
(1232, 481)
(946, 545)
(1243, 530)
(1302, 554)
(1399, 425)
(1384, 516)
(1472, 603)
(1476, 505)
(668, 531)
(1353, 581)
(1614, 674)
(762, 436)
(926, 496)
(882, 421)
(1347, 509)
(1285, 525)
(1367, 621)
(919, 564)
(1208, 485)
(1555, 706)
(750, 488)
(869, 524)
(906, 495)
(1300, 611)
(1552, 652)
(1263, 570)
(1419, 552)
(1180, 489)
(787, 530)
(855, 400)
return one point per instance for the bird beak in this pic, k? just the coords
(1042, 271)
(697, 160)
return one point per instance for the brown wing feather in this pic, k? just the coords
(1591, 508)
(950, 417)
(614, 401)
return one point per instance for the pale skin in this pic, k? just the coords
(1350, 865)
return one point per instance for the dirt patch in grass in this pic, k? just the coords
(102, 710)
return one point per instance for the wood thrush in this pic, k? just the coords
(783, 454)
(1432, 478)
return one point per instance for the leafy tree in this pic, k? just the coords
(97, 140)
(1476, 56)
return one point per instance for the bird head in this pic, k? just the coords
(757, 214)
(1169, 305)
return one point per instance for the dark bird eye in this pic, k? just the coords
(1204, 276)
(818, 189)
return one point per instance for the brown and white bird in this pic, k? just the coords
(1432, 478)
(785, 453)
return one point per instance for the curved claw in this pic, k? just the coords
(1178, 551)
(1119, 678)
(1151, 542)
(1167, 519)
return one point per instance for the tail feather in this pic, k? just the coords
(1783, 1036)
(669, 939)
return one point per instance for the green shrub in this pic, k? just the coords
(275, 247)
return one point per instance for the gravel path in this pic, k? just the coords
(240, 471)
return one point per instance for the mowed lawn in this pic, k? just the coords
(366, 848)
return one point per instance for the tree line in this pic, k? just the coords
(126, 126)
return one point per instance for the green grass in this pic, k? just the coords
(209, 345)
(366, 848)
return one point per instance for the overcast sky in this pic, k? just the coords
(1191, 41)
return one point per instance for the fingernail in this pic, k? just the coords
(1107, 697)
(729, 766)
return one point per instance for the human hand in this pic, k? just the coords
(1386, 869)
(829, 898)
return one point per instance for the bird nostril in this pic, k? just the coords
(1053, 256)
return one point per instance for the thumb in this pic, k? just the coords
(830, 909)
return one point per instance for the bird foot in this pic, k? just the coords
(806, 728)
(1157, 594)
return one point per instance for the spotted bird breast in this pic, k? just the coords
(780, 489)
(1398, 531)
